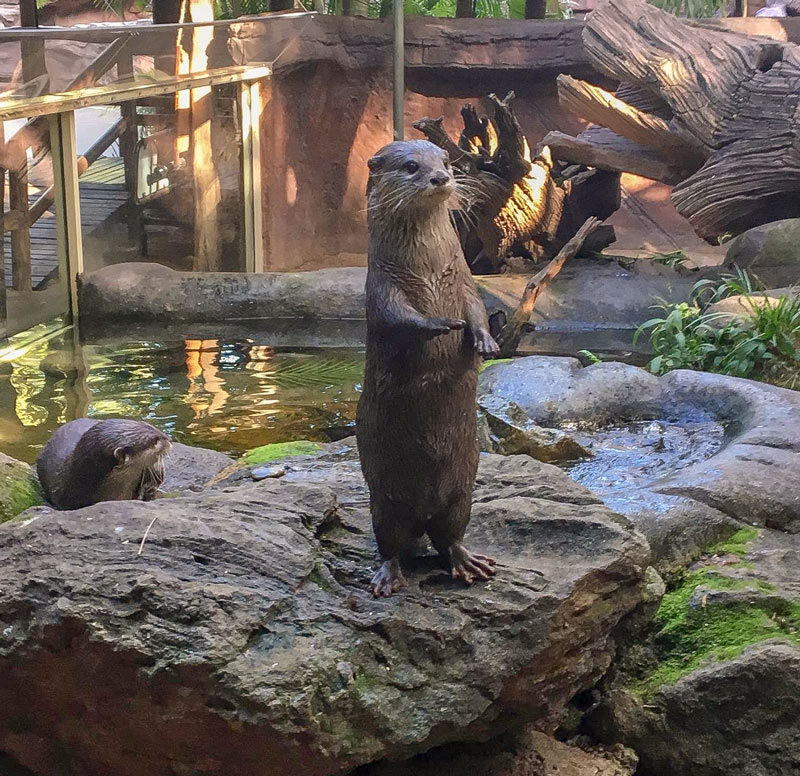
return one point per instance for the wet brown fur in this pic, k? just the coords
(87, 461)
(427, 331)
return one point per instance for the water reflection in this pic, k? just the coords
(229, 396)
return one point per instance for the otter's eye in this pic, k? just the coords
(411, 167)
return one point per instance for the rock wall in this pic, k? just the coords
(331, 108)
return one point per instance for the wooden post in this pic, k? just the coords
(21, 232)
(31, 49)
(68, 206)
(465, 9)
(207, 194)
(535, 9)
(127, 147)
(166, 11)
(3, 306)
(251, 176)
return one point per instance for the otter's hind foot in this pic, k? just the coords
(468, 566)
(388, 579)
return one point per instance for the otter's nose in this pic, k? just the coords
(440, 178)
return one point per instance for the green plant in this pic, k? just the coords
(674, 259)
(509, 9)
(592, 358)
(763, 344)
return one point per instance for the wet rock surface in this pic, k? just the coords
(243, 639)
(742, 467)
(738, 717)
(190, 469)
(19, 488)
(771, 252)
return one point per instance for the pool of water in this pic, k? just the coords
(228, 387)
(229, 395)
(637, 454)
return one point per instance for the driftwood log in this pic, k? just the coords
(513, 203)
(512, 331)
(713, 112)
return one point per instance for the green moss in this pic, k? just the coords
(736, 544)
(19, 489)
(491, 361)
(278, 450)
(691, 636)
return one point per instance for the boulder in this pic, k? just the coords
(713, 691)
(241, 638)
(741, 717)
(741, 306)
(771, 252)
(509, 437)
(190, 468)
(745, 470)
(19, 488)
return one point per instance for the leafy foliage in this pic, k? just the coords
(674, 259)
(763, 345)
(507, 9)
(694, 9)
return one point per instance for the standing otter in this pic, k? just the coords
(427, 331)
(87, 461)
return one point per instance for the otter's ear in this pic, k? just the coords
(121, 454)
(376, 163)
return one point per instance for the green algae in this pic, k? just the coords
(278, 450)
(690, 636)
(736, 544)
(492, 361)
(19, 489)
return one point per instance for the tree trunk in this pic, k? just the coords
(719, 118)
(511, 204)
(465, 9)
(166, 11)
(535, 9)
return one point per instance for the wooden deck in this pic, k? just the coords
(102, 192)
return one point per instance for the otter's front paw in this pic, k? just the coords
(388, 579)
(485, 344)
(444, 325)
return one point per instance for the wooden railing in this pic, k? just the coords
(34, 136)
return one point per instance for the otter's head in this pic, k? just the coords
(121, 459)
(409, 176)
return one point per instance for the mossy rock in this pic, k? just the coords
(278, 450)
(19, 488)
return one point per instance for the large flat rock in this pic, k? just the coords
(243, 641)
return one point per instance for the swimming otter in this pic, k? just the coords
(426, 334)
(88, 461)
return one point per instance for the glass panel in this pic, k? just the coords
(33, 288)
(161, 181)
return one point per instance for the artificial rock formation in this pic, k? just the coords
(240, 638)
(712, 111)
(750, 477)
